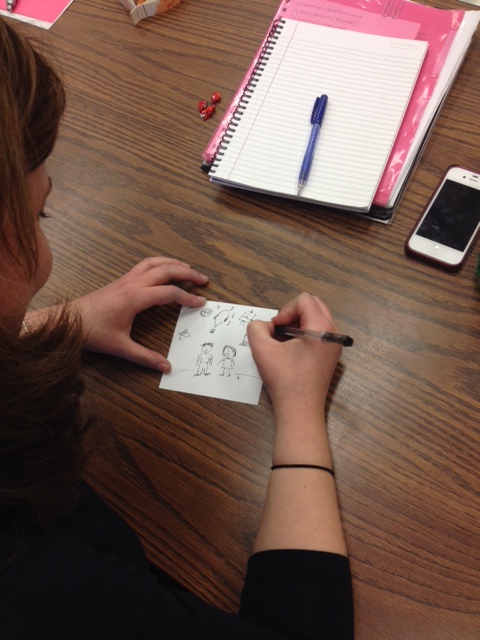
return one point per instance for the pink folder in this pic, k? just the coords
(42, 13)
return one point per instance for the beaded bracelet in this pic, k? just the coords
(302, 466)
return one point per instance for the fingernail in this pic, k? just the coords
(202, 299)
(164, 367)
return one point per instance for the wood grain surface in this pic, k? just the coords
(189, 473)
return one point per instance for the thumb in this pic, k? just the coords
(258, 330)
(143, 356)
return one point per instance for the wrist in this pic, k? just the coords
(303, 439)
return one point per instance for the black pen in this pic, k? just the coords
(324, 336)
(11, 5)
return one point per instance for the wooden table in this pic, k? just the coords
(189, 472)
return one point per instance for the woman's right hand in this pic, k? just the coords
(296, 372)
(301, 509)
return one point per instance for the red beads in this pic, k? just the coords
(206, 110)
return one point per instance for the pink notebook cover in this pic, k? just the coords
(45, 12)
(413, 21)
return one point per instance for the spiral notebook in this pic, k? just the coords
(368, 79)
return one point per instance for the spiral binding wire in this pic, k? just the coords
(250, 87)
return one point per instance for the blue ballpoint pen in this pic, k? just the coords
(316, 120)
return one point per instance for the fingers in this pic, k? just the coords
(136, 353)
(257, 331)
(166, 294)
(307, 311)
(146, 285)
(167, 273)
(159, 270)
(156, 261)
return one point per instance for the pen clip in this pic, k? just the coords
(319, 110)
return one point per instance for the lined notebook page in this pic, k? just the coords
(368, 80)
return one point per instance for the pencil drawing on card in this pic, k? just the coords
(228, 361)
(210, 354)
(204, 360)
(224, 316)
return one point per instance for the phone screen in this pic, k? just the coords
(453, 216)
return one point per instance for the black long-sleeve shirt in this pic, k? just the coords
(88, 579)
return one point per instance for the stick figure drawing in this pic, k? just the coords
(228, 361)
(247, 317)
(210, 354)
(204, 360)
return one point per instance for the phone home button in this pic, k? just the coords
(435, 249)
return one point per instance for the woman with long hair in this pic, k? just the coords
(70, 568)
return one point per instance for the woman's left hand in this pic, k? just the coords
(108, 313)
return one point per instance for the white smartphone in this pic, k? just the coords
(448, 226)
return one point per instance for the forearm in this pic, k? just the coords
(301, 508)
(300, 432)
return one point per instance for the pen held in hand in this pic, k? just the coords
(316, 121)
(324, 336)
